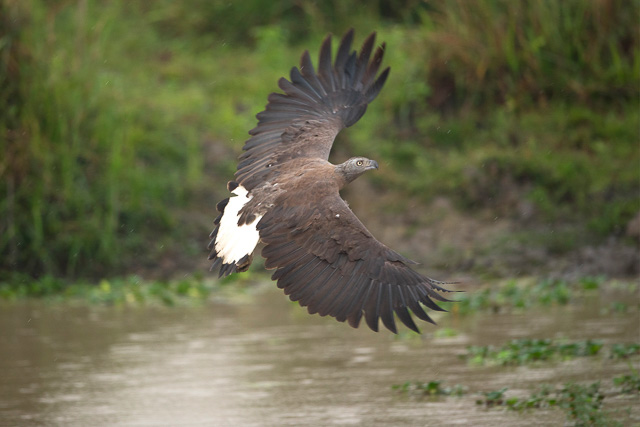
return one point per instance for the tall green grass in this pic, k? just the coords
(513, 53)
(92, 160)
(123, 115)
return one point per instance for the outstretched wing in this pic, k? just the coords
(328, 261)
(315, 106)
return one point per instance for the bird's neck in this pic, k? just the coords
(342, 177)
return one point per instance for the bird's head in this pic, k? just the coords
(354, 167)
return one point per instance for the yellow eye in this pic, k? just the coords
(359, 163)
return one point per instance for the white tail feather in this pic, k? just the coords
(234, 242)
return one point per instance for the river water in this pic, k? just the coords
(265, 362)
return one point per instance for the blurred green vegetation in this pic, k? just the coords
(526, 293)
(124, 116)
(128, 291)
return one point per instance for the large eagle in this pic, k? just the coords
(287, 196)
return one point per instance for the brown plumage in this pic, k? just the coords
(287, 196)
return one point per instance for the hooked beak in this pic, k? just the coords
(372, 164)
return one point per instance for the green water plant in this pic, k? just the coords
(624, 350)
(431, 388)
(525, 351)
(581, 403)
(629, 383)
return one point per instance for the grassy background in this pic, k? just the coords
(121, 119)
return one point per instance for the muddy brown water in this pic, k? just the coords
(265, 362)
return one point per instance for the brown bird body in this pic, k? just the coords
(287, 196)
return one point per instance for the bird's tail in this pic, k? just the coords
(232, 245)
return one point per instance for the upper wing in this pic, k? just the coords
(304, 121)
(327, 260)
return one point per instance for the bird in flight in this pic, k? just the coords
(286, 194)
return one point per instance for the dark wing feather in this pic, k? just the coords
(328, 261)
(315, 106)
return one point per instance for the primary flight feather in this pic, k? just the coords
(286, 194)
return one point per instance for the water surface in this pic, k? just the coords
(265, 362)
